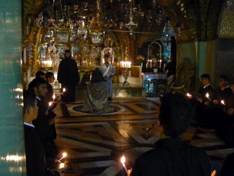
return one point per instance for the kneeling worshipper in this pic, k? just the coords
(96, 100)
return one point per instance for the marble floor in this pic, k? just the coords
(95, 143)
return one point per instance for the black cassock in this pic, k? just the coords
(68, 76)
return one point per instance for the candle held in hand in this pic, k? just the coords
(50, 103)
(64, 90)
(189, 95)
(123, 163)
(223, 103)
(208, 96)
(53, 97)
(64, 155)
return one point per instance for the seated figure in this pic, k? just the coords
(96, 100)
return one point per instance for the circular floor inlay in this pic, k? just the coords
(112, 109)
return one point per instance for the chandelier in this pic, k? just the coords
(110, 14)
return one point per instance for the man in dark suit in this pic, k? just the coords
(44, 122)
(171, 156)
(39, 74)
(50, 80)
(68, 76)
(223, 93)
(202, 102)
(35, 157)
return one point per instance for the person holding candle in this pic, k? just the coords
(224, 91)
(35, 158)
(171, 156)
(108, 72)
(202, 101)
(49, 96)
(225, 122)
(68, 76)
(220, 104)
(35, 155)
(44, 123)
(39, 74)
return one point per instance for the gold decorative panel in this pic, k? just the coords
(227, 24)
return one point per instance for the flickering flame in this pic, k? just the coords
(123, 159)
(188, 95)
(64, 155)
(222, 102)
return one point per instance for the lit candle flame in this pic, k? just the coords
(50, 103)
(64, 89)
(123, 163)
(53, 97)
(222, 102)
(64, 155)
(208, 96)
(188, 95)
(123, 159)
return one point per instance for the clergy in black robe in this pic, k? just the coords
(171, 156)
(68, 76)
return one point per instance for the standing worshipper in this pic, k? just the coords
(50, 80)
(171, 156)
(44, 123)
(108, 71)
(68, 76)
(35, 157)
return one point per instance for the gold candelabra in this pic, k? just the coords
(125, 66)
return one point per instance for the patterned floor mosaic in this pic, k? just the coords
(95, 143)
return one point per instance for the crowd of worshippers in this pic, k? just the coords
(39, 126)
(213, 107)
(40, 103)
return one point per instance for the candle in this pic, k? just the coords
(64, 155)
(64, 90)
(61, 165)
(208, 96)
(123, 163)
(223, 103)
(160, 63)
(53, 97)
(189, 95)
(50, 103)
(125, 64)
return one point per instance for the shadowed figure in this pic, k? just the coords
(96, 100)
